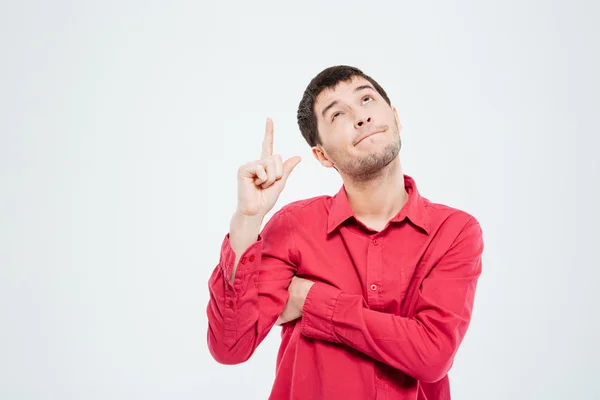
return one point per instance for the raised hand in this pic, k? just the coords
(260, 182)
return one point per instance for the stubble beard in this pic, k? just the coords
(369, 167)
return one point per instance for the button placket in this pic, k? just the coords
(374, 259)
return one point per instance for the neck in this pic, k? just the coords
(381, 197)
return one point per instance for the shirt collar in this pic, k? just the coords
(414, 209)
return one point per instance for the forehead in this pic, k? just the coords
(342, 89)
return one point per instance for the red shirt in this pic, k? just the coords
(385, 316)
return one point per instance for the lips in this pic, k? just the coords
(366, 135)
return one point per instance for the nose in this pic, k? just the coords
(361, 121)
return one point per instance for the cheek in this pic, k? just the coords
(339, 140)
(341, 145)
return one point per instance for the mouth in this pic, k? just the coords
(366, 135)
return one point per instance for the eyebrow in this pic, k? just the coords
(333, 103)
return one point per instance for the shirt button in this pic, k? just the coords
(243, 260)
(231, 303)
(252, 258)
(373, 287)
(380, 375)
(374, 242)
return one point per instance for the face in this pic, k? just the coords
(359, 131)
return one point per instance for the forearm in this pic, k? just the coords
(233, 315)
(420, 347)
(243, 231)
(242, 310)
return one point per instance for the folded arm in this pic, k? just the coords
(422, 346)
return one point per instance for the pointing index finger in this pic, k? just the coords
(267, 147)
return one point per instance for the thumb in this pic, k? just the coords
(289, 165)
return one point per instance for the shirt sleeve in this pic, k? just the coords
(422, 346)
(240, 315)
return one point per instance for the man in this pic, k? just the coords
(373, 287)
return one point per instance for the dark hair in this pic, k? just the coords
(328, 78)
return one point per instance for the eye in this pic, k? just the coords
(367, 97)
(335, 115)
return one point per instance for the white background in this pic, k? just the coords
(122, 126)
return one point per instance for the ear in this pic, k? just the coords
(397, 118)
(321, 157)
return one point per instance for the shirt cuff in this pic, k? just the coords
(249, 260)
(318, 310)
